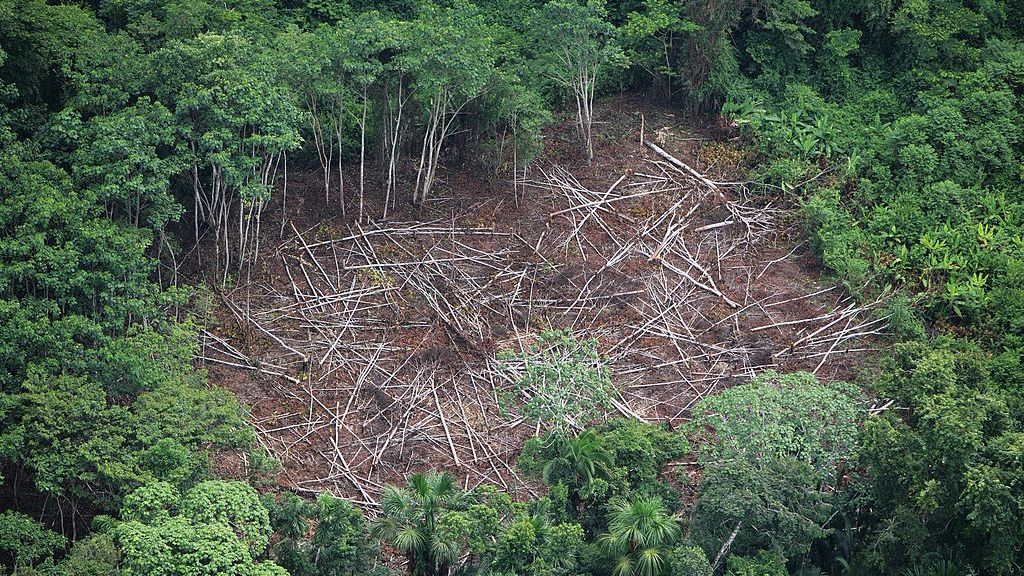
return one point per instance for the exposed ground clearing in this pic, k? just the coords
(368, 351)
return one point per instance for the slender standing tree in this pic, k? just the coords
(396, 92)
(364, 68)
(313, 65)
(577, 41)
(454, 58)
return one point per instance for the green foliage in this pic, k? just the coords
(772, 447)
(77, 441)
(96, 555)
(69, 276)
(151, 503)
(904, 321)
(125, 160)
(575, 44)
(564, 381)
(653, 38)
(410, 521)
(215, 528)
(442, 529)
(289, 515)
(689, 561)
(642, 451)
(777, 505)
(99, 394)
(574, 35)
(340, 544)
(579, 460)
(640, 538)
(896, 124)
(224, 98)
(24, 542)
(43, 45)
(533, 545)
(179, 546)
(763, 564)
(623, 459)
(778, 417)
(944, 479)
(70, 433)
(920, 196)
(778, 41)
(233, 504)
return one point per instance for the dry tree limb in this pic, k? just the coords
(724, 550)
(444, 423)
(686, 169)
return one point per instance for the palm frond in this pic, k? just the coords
(623, 567)
(409, 539)
(649, 562)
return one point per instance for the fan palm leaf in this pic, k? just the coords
(640, 533)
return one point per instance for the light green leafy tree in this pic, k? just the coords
(216, 528)
(563, 382)
(771, 451)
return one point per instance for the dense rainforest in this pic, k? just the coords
(145, 145)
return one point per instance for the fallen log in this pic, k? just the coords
(686, 169)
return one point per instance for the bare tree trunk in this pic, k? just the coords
(515, 157)
(393, 136)
(725, 548)
(438, 128)
(284, 199)
(430, 152)
(339, 133)
(582, 80)
(195, 207)
(324, 149)
(362, 153)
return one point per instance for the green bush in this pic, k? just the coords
(689, 561)
(96, 555)
(25, 543)
(771, 451)
(216, 528)
(941, 480)
(763, 564)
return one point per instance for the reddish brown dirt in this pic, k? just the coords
(366, 351)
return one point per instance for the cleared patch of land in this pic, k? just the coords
(365, 351)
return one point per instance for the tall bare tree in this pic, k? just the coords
(577, 42)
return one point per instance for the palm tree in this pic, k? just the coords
(582, 459)
(410, 518)
(290, 516)
(640, 534)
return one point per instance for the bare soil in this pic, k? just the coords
(366, 351)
